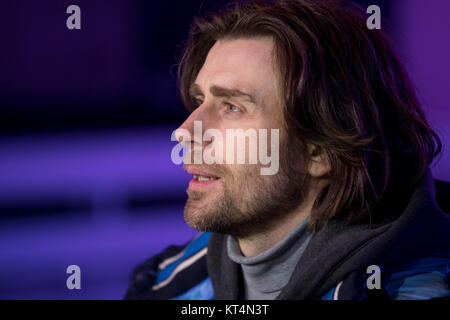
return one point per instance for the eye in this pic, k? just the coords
(232, 108)
(197, 101)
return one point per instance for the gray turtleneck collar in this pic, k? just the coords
(266, 274)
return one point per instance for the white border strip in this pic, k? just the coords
(186, 263)
(336, 291)
(168, 261)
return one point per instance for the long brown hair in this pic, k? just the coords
(345, 92)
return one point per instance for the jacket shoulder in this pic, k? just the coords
(421, 279)
(418, 279)
(173, 272)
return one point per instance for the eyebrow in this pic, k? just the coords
(218, 91)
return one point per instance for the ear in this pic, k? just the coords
(318, 164)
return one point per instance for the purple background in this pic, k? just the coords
(85, 124)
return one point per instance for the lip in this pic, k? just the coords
(199, 185)
(199, 172)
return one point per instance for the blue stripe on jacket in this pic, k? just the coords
(202, 291)
(194, 247)
(419, 279)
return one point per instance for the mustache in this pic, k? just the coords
(218, 170)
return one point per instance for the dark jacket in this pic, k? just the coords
(412, 250)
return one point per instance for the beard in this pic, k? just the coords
(250, 202)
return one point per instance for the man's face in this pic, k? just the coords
(238, 88)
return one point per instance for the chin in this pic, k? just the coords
(195, 214)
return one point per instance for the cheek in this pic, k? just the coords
(240, 175)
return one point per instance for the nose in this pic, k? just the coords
(190, 131)
(190, 136)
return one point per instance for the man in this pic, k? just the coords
(351, 212)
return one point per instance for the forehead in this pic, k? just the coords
(242, 63)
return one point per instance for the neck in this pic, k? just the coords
(271, 235)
